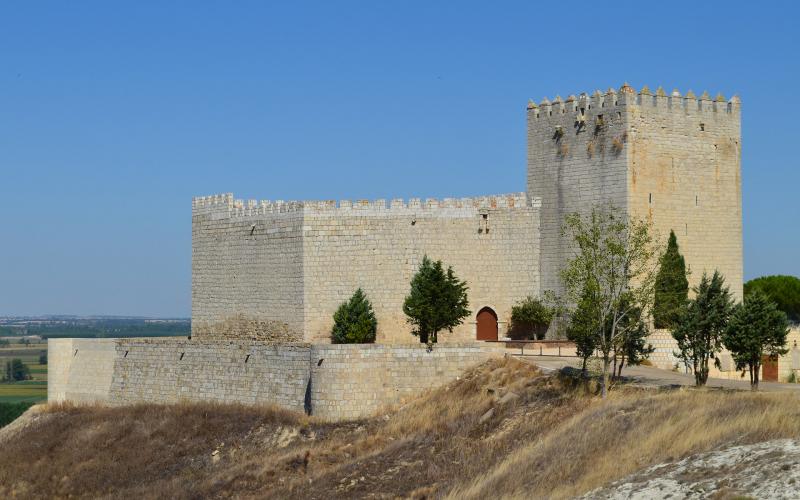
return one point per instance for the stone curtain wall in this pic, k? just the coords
(247, 273)
(277, 271)
(80, 370)
(346, 381)
(354, 381)
(379, 248)
(170, 371)
(674, 159)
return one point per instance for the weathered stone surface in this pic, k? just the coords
(331, 381)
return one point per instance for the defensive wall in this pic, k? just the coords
(329, 381)
(673, 159)
(278, 270)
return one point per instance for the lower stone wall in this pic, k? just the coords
(351, 381)
(330, 381)
(80, 370)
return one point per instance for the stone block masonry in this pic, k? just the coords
(277, 271)
(674, 160)
(333, 382)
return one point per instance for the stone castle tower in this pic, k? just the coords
(673, 159)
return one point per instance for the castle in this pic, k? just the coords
(268, 276)
(277, 271)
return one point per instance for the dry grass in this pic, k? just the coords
(614, 438)
(546, 438)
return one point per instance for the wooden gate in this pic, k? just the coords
(769, 368)
(487, 324)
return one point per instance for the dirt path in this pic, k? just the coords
(649, 376)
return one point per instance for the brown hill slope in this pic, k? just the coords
(544, 437)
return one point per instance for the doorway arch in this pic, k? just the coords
(486, 324)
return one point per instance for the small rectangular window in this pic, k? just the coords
(702, 127)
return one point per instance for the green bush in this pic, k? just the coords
(529, 319)
(354, 322)
(783, 290)
(43, 358)
(10, 411)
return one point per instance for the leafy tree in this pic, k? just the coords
(701, 323)
(530, 319)
(756, 328)
(613, 270)
(16, 370)
(633, 346)
(672, 287)
(437, 301)
(783, 290)
(582, 330)
(43, 358)
(354, 322)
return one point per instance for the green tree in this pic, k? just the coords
(43, 358)
(582, 329)
(530, 318)
(614, 270)
(633, 346)
(354, 321)
(700, 324)
(783, 290)
(756, 329)
(672, 286)
(16, 370)
(437, 301)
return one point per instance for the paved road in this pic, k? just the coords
(646, 375)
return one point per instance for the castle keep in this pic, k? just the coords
(277, 271)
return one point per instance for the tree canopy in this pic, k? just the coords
(530, 318)
(672, 286)
(354, 321)
(611, 276)
(781, 289)
(437, 301)
(756, 329)
(699, 328)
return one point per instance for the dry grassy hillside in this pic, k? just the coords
(546, 437)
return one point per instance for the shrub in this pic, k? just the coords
(354, 322)
(783, 290)
(529, 319)
(43, 358)
(10, 411)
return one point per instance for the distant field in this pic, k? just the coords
(28, 391)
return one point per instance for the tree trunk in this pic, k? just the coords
(604, 386)
(621, 364)
(754, 384)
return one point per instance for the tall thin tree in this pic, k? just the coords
(672, 286)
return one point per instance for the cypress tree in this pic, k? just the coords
(672, 287)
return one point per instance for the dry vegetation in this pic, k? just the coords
(546, 437)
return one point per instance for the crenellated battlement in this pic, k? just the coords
(227, 204)
(612, 100)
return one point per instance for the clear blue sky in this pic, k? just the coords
(113, 115)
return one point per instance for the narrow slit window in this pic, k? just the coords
(702, 127)
(695, 200)
(650, 198)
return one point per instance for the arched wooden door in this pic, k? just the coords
(487, 324)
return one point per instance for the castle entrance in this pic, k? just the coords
(769, 368)
(486, 324)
